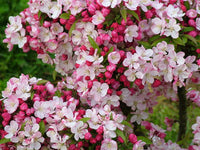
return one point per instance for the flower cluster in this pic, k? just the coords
(45, 116)
(116, 58)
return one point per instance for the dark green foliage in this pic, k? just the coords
(16, 62)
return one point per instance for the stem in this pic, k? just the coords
(182, 113)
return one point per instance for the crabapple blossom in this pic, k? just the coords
(11, 103)
(79, 130)
(114, 57)
(130, 33)
(98, 18)
(12, 129)
(111, 3)
(172, 29)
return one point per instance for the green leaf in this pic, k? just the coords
(39, 14)
(65, 16)
(187, 29)
(191, 38)
(84, 119)
(54, 75)
(144, 139)
(58, 93)
(123, 13)
(32, 94)
(40, 82)
(134, 14)
(121, 134)
(184, 39)
(153, 38)
(145, 44)
(22, 126)
(72, 28)
(179, 41)
(126, 123)
(42, 17)
(94, 44)
(42, 127)
(4, 140)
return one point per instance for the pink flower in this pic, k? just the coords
(79, 130)
(172, 29)
(11, 103)
(191, 13)
(139, 145)
(158, 25)
(11, 129)
(98, 18)
(108, 144)
(19, 38)
(111, 3)
(130, 33)
(114, 57)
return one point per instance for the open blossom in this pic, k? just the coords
(99, 90)
(172, 29)
(19, 38)
(132, 4)
(108, 144)
(130, 33)
(114, 57)
(11, 103)
(11, 129)
(158, 25)
(111, 3)
(98, 18)
(79, 130)
(14, 26)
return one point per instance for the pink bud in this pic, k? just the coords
(87, 135)
(92, 9)
(28, 28)
(105, 11)
(198, 62)
(108, 74)
(93, 140)
(111, 67)
(193, 33)
(23, 106)
(120, 139)
(99, 137)
(100, 130)
(6, 116)
(148, 14)
(4, 123)
(132, 138)
(192, 23)
(156, 83)
(46, 24)
(63, 21)
(38, 120)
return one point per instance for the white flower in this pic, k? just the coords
(79, 130)
(114, 57)
(11, 104)
(98, 18)
(11, 129)
(111, 3)
(130, 33)
(108, 144)
(172, 29)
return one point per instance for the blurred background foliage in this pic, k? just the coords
(13, 63)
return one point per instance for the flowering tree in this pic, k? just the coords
(116, 57)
